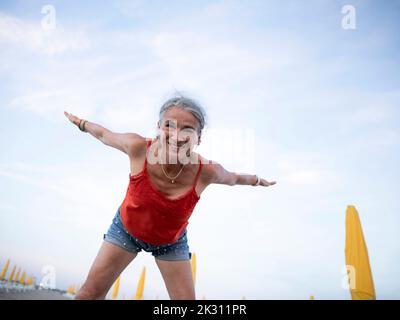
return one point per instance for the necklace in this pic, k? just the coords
(172, 179)
(162, 167)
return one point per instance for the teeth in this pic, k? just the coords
(174, 144)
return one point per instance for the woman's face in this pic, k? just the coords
(178, 130)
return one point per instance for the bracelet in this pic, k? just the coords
(82, 125)
(258, 181)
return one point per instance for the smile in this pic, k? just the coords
(175, 146)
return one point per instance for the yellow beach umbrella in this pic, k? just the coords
(116, 288)
(193, 264)
(22, 280)
(11, 277)
(17, 275)
(357, 260)
(5, 268)
(139, 290)
(29, 281)
(70, 290)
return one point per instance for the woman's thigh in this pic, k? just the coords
(178, 278)
(110, 261)
(172, 252)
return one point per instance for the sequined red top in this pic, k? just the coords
(149, 215)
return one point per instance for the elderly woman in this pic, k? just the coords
(165, 182)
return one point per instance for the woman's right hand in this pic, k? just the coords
(74, 119)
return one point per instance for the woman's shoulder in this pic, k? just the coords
(138, 145)
(207, 170)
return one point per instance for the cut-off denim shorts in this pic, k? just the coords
(118, 235)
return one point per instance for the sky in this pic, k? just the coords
(291, 94)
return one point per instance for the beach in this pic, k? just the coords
(32, 295)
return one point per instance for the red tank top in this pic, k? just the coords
(149, 215)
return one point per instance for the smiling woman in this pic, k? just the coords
(165, 183)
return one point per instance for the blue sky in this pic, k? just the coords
(319, 103)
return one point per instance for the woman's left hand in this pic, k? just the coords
(265, 183)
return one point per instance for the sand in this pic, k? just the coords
(32, 295)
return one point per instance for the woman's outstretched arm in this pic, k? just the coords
(220, 175)
(121, 141)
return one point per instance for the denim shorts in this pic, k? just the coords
(118, 235)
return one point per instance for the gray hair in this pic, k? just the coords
(186, 104)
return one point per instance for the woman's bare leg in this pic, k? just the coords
(110, 261)
(178, 279)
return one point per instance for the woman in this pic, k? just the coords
(166, 180)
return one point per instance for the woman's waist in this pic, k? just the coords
(150, 228)
(137, 213)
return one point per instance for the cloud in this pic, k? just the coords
(373, 114)
(40, 184)
(31, 36)
(197, 57)
(309, 177)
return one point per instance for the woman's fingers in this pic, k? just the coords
(72, 118)
(67, 115)
(265, 183)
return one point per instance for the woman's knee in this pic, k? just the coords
(87, 292)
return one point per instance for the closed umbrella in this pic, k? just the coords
(116, 288)
(5, 268)
(193, 264)
(140, 287)
(357, 260)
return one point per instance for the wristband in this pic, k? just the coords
(82, 125)
(258, 181)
